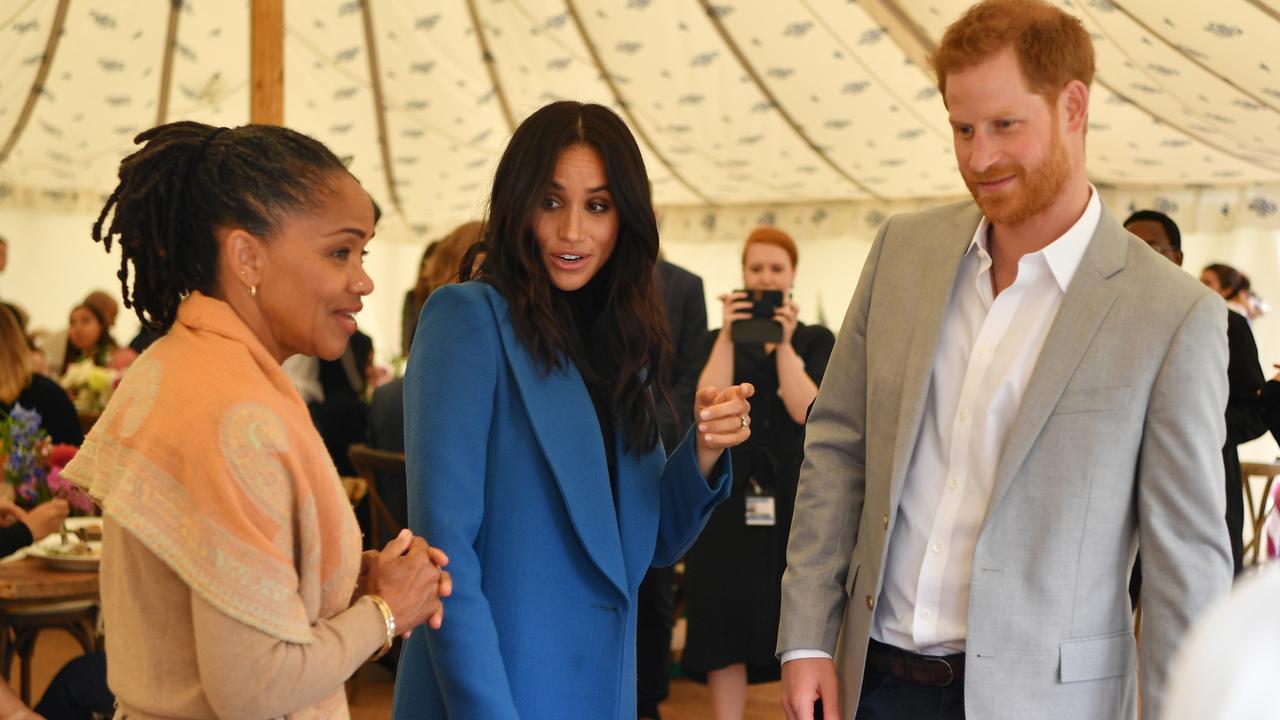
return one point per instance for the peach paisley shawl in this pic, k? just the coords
(208, 456)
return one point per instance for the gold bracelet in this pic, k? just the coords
(390, 620)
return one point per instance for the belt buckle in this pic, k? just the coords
(951, 672)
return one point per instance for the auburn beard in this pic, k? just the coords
(1035, 189)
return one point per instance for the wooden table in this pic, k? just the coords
(35, 597)
(29, 580)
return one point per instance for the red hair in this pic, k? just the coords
(775, 237)
(1053, 48)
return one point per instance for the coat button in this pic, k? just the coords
(871, 603)
(886, 521)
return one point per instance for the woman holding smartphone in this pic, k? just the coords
(734, 571)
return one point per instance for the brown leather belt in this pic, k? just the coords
(935, 670)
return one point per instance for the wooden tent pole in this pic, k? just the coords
(37, 85)
(166, 61)
(490, 65)
(379, 105)
(778, 107)
(266, 62)
(624, 107)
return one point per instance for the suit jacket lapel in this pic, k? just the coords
(939, 264)
(564, 421)
(1088, 299)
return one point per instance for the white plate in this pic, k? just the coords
(54, 559)
(54, 539)
(75, 523)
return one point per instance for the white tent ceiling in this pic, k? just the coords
(746, 102)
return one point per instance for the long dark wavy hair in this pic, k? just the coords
(633, 350)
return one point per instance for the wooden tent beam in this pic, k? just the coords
(37, 85)
(379, 105)
(909, 35)
(490, 64)
(166, 61)
(1177, 49)
(910, 38)
(625, 108)
(786, 116)
(266, 62)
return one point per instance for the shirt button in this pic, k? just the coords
(925, 613)
(937, 548)
(871, 603)
(952, 483)
(985, 351)
(964, 416)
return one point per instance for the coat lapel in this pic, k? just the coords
(564, 421)
(1088, 299)
(940, 262)
(639, 496)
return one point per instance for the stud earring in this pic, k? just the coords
(253, 291)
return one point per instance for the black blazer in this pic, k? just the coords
(686, 309)
(1246, 417)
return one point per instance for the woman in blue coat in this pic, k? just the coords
(532, 437)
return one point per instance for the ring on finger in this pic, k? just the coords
(744, 420)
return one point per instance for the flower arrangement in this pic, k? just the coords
(33, 465)
(90, 385)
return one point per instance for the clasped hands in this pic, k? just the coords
(723, 420)
(409, 575)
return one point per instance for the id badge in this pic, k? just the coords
(762, 511)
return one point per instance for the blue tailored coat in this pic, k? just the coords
(507, 474)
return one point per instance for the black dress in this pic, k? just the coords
(734, 571)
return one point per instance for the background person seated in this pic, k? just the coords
(19, 528)
(19, 385)
(89, 337)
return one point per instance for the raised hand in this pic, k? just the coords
(723, 420)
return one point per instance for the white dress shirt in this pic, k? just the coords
(987, 349)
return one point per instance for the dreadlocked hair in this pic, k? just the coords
(189, 180)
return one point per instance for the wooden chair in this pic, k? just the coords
(368, 462)
(21, 623)
(1257, 507)
(87, 419)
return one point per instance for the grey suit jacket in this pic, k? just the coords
(1117, 445)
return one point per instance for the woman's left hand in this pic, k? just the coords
(786, 315)
(723, 420)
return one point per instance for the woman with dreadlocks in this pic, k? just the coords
(232, 580)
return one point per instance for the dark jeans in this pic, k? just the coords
(887, 698)
(655, 609)
(79, 690)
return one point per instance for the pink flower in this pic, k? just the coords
(55, 482)
(79, 501)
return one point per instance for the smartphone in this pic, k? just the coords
(761, 328)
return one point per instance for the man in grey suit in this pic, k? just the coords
(1022, 395)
